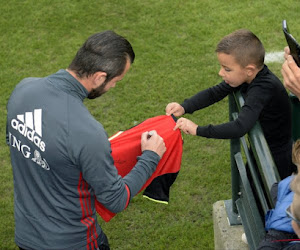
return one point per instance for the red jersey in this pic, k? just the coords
(126, 147)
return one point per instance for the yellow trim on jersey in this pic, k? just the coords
(158, 201)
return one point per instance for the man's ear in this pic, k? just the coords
(99, 78)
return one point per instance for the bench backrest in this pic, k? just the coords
(253, 173)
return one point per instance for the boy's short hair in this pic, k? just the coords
(295, 184)
(244, 46)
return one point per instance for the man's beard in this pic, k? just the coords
(97, 92)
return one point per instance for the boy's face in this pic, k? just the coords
(231, 72)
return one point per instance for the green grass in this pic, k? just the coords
(174, 42)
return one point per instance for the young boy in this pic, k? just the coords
(241, 57)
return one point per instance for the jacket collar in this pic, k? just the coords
(67, 83)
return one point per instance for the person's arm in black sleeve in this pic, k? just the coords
(229, 130)
(248, 115)
(206, 97)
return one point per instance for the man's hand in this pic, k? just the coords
(286, 52)
(186, 126)
(152, 141)
(291, 74)
(174, 108)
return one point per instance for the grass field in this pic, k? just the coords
(174, 42)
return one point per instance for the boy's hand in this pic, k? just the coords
(186, 126)
(174, 108)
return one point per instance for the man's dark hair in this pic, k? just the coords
(105, 51)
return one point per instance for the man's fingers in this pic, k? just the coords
(151, 133)
(144, 136)
(291, 61)
(287, 49)
(289, 67)
(286, 52)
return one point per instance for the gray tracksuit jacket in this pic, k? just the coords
(62, 162)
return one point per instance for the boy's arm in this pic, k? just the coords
(229, 130)
(206, 97)
(247, 117)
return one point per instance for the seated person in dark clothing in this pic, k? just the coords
(283, 222)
